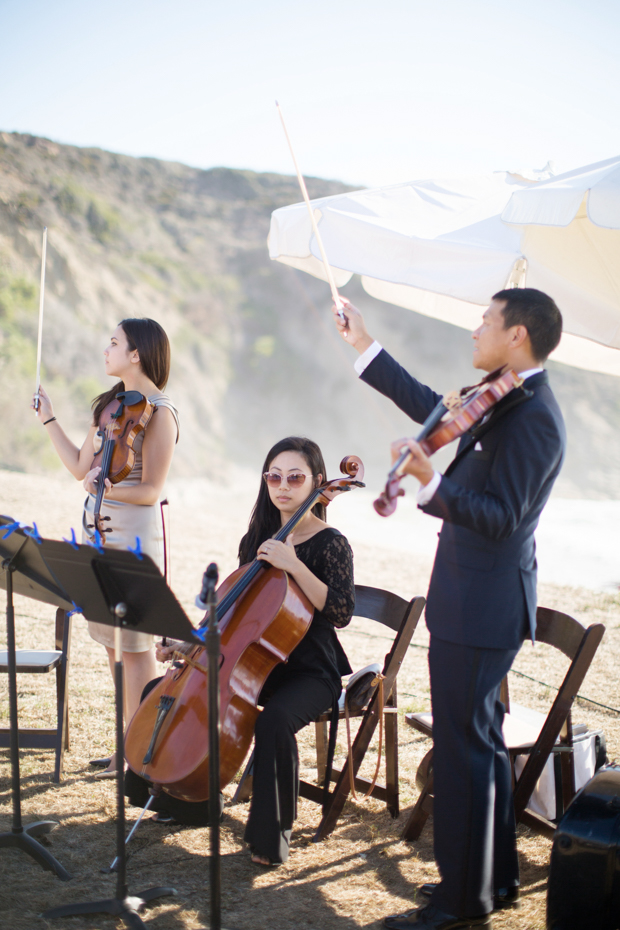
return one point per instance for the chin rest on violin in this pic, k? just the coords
(263, 614)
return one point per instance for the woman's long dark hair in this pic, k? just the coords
(151, 341)
(265, 518)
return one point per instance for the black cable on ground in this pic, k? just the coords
(554, 688)
(514, 671)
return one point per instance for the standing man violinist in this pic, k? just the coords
(482, 595)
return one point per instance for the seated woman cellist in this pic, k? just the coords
(320, 561)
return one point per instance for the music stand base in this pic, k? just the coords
(126, 908)
(24, 839)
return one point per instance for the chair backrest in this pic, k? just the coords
(559, 630)
(396, 613)
(555, 629)
(383, 606)
(579, 645)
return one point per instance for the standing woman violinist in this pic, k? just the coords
(139, 357)
(320, 561)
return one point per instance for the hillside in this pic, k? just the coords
(255, 356)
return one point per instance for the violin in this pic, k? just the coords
(121, 421)
(263, 615)
(456, 413)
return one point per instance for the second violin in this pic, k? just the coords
(121, 422)
(456, 413)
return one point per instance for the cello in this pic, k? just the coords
(263, 616)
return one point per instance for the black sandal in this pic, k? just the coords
(166, 820)
(263, 865)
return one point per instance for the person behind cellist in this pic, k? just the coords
(319, 559)
(138, 356)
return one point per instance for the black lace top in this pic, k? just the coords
(328, 555)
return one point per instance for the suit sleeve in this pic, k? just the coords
(385, 375)
(526, 460)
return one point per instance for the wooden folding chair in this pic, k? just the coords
(39, 661)
(528, 733)
(402, 617)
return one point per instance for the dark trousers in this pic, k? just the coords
(473, 814)
(295, 702)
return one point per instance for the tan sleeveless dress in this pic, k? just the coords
(127, 522)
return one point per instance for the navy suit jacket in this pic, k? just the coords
(483, 586)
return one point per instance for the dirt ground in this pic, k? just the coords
(354, 878)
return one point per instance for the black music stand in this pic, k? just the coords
(24, 572)
(123, 590)
(212, 643)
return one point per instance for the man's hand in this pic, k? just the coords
(352, 328)
(418, 464)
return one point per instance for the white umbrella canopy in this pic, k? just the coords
(571, 239)
(444, 247)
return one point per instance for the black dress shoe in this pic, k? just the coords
(101, 763)
(503, 898)
(431, 918)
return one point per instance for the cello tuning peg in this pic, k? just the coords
(105, 518)
(90, 526)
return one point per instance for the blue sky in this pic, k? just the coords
(373, 92)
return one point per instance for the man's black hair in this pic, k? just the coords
(525, 306)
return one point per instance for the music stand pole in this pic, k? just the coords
(212, 643)
(22, 837)
(121, 876)
(124, 905)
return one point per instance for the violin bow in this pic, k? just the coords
(41, 303)
(330, 277)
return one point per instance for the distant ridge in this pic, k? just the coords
(255, 356)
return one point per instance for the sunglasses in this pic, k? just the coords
(274, 480)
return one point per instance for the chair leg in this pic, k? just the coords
(321, 740)
(567, 763)
(391, 755)
(244, 788)
(340, 793)
(424, 805)
(63, 641)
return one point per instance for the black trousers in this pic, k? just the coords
(473, 813)
(294, 702)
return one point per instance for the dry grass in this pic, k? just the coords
(362, 872)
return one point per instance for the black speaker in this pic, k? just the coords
(584, 878)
